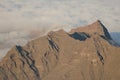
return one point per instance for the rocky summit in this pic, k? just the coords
(84, 53)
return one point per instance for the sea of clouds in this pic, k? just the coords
(24, 20)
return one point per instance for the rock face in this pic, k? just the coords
(85, 53)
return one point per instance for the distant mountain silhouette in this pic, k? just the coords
(84, 53)
(116, 36)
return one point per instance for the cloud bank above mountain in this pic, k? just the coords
(23, 20)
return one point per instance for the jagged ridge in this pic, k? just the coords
(86, 53)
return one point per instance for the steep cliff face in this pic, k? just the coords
(86, 53)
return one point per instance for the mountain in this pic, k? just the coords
(85, 53)
(116, 36)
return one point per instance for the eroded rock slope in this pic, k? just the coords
(85, 53)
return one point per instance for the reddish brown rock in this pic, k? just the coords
(86, 53)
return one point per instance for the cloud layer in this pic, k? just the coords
(23, 20)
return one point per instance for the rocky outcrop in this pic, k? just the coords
(85, 53)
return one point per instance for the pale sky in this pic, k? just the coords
(23, 20)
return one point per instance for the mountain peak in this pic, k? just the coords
(58, 31)
(84, 53)
(96, 27)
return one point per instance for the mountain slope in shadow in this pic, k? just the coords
(115, 36)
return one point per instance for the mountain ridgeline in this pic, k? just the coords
(84, 53)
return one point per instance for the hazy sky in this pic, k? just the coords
(23, 20)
